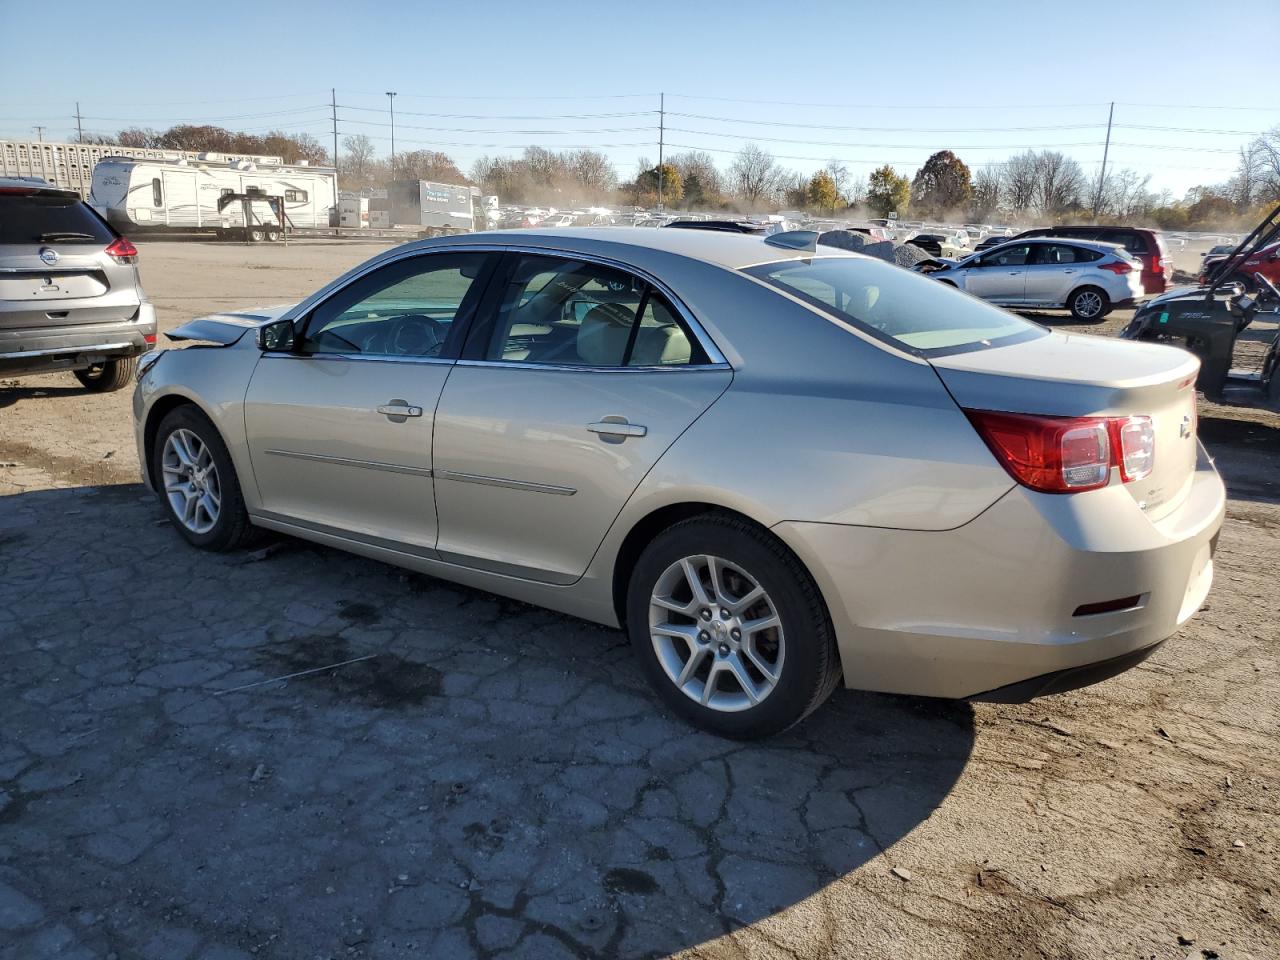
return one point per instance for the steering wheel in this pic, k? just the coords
(406, 335)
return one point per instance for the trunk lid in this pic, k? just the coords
(1069, 375)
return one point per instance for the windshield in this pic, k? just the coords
(905, 309)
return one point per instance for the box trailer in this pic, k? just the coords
(440, 208)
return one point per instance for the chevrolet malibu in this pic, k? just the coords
(779, 467)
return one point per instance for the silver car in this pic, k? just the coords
(1088, 278)
(70, 297)
(780, 468)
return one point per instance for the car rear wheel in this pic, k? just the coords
(197, 482)
(109, 376)
(730, 628)
(1089, 304)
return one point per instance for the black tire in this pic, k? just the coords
(811, 665)
(273, 235)
(109, 376)
(1077, 300)
(232, 529)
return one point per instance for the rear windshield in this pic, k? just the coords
(49, 219)
(902, 308)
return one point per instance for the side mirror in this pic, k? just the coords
(277, 336)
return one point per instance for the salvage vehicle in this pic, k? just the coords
(70, 296)
(779, 466)
(1207, 320)
(1089, 279)
(1147, 246)
(1263, 262)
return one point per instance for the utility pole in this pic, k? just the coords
(79, 128)
(662, 124)
(39, 132)
(333, 92)
(391, 96)
(1102, 177)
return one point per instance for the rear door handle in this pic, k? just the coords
(617, 429)
(397, 411)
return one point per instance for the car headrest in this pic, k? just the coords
(602, 337)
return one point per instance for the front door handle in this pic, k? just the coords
(617, 429)
(398, 411)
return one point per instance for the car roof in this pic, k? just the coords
(730, 250)
(35, 185)
(1101, 246)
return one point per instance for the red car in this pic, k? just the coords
(1145, 245)
(1265, 261)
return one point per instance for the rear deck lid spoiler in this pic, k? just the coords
(227, 328)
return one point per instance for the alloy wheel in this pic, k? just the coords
(716, 633)
(1088, 304)
(191, 481)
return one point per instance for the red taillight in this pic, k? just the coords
(149, 339)
(1067, 454)
(122, 251)
(1119, 267)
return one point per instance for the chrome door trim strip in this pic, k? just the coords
(582, 368)
(351, 462)
(379, 358)
(503, 482)
(333, 287)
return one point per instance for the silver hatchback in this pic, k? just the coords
(70, 297)
(1087, 278)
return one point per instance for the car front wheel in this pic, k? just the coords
(730, 628)
(197, 482)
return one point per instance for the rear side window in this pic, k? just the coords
(1131, 241)
(905, 309)
(157, 193)
(46, 219)
(1056, 253)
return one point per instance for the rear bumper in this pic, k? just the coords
(992, 607)
(74, 347)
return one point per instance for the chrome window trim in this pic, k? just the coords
(351, 462)
(525, 485)
(584, 368)
(373, 357)
(713, 352)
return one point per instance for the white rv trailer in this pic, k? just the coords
(183, 194)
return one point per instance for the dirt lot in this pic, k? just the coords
(491, 780)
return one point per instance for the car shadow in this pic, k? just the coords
(1254, 447)
(10, 395)
(442, 769)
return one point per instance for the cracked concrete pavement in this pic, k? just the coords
(482, 778)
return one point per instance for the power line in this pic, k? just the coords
(512, 116)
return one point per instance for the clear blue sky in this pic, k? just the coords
(862, 82)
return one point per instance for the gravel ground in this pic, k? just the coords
(484, 779)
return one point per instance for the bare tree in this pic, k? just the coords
(755, 175)
(839, 175)
(593, 173)
(357, 157)
(1059, 182)
(988, 191)
(1020, 181)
